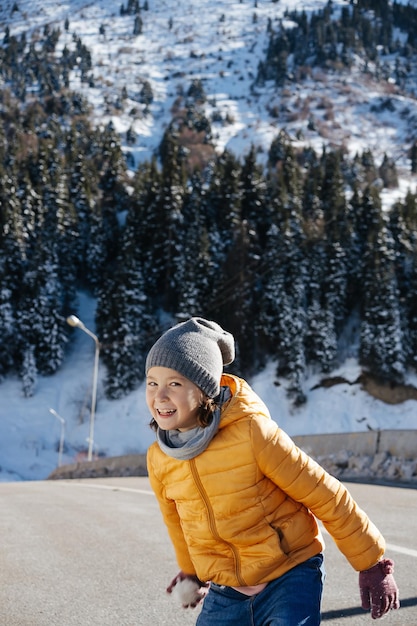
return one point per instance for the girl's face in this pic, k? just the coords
(173, 400)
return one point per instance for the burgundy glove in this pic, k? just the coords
(378, 588)
(188, 589)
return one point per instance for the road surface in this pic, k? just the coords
(96, 553)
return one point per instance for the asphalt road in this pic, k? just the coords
(95, 553)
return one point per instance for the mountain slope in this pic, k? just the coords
(220, 43)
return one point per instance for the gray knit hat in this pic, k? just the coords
(197, 349)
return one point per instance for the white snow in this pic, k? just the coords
(200, 44)
(30, 433)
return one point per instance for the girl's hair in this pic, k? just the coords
(204, 417)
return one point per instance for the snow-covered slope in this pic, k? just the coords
(30, 433)
(221, 43)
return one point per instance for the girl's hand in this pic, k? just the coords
(378, 588)
(188, 589)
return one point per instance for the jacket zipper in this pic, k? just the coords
(212, 522)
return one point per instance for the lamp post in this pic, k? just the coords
(61, 440)
(73, 320)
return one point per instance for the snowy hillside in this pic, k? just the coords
(221, 43)
(30, 433)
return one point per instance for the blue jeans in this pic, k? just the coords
(293, 599)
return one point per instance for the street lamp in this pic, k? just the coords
(73, 320)
(61, 440)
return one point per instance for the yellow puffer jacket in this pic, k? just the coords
(244, 511)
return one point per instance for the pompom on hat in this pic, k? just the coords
(198, 349)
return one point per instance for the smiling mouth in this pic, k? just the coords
(166, 412)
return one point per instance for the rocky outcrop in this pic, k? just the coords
(386, 391)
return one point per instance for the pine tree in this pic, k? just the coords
(98, 256)
(67, 249)
(138, 25)
(321, 340)
(81, 199)
(195, 272)
(125, 324)
(253, 190)
(40, 318)
(282, 314)
(403, 223)
(410, 306)
(28, 373)
(272, 293)
(49, 350)
(7, 324)
(166, 252)
(224, 197)
(338, 241)
(413, 158)
(381, 347)
(295, 328)
(388, 173)
(141, 219)
(367, 221)
(404, 236)
(111, 167)
(12, 256)
(313, 218)
(237, 303)
(223, 215)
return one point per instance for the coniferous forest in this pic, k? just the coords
(296, 257)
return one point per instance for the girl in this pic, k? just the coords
(240, 500)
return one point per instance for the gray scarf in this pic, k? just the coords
(190, 443)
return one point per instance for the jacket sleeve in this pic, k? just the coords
(171, 519)
(305, 481)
